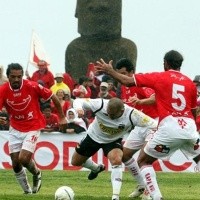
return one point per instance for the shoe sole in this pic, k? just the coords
(96, 174)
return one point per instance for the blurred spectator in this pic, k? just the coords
(79, 93)
(65, 104)
(197, 83)
(83, 88)
(41, 100)
(103, 93)
(3, 78)
(67, 97)
(68, 80)
(59, 84)
(51, 119)
(4, 119)
(198, 119)
(111, 88)
(93, 88)
(74, 124)
(42, 74)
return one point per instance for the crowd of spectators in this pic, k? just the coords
(67, 89)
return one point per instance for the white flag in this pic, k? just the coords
(37, 51)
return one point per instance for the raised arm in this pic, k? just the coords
(107, 68)
(147, 101)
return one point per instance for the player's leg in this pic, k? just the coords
(20, 172)
(133, 143)
(15, 145)
(148, 173)
(82, 154)
(25, 157)
(114, 153)
(197, 161)
(162, 145)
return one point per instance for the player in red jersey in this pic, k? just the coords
(21, 100)
(176, 103)
(143, 99)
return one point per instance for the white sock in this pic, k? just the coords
(134, 169)
(23, 181)
(90, 164)
(197, 168)
(116, 179)
(149, 177)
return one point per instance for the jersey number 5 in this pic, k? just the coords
(177, 91)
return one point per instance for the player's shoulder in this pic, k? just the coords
(28, 83)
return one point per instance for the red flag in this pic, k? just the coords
(37, 51)
(90, 70)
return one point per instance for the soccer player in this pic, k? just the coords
(21, 100)
(176, 103)
(143, 99)
(113, 119)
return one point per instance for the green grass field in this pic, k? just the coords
(174, 186)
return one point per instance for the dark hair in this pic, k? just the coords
(45, 105)
(14, 66)
(106, 78)
(82, 79)
(174, 59)
(125, 62)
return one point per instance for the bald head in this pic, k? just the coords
(115, 108)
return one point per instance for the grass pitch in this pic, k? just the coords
(174, 186)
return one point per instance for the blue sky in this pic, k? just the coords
(156, 26)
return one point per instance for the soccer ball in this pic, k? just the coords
(64, 193)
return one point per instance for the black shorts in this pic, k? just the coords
(88, 147)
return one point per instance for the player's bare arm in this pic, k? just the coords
(147, 101)
(107, 68)
(62, 119)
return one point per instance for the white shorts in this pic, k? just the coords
(137, 137)
(173, 134)
(22, 140)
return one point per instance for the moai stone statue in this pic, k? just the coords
(99, 25)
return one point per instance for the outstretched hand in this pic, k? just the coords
(102, 66)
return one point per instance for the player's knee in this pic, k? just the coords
(116, 160)
(76, 161)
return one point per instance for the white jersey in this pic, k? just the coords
(106, 130)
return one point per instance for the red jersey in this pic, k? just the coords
(175, 92)
(140, 93)
(67, 105)
(23, 105)
(47, 78)
(198, 123)
(69, 81)
(52, 122)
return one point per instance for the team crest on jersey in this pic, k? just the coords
(162, 148)
(110, 130)
(19, 106)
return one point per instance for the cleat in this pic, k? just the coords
(37, 182)
(137, 192)
(146, 195)
(28, 192)
(115, 197)
(92, 175)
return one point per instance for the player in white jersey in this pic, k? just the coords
(113, 119)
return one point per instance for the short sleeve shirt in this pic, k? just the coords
(175, 92)
(23, 105)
